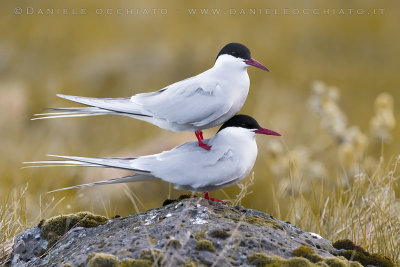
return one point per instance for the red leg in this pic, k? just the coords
(199, 135)
(207, 196)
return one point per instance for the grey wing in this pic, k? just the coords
(192, 101)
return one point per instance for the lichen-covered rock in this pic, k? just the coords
(34, 242)
(54, 228)
(307, 253)
(262, 260)
(351, 251)
(102, 260)
(191, 232)
(205, 245)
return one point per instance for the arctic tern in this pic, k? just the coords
(194, 104)
(186, 166)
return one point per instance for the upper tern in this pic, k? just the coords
(200, 102)
(186, 166)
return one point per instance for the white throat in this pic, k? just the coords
(230, 64)
(238, 137)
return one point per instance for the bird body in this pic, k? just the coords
(231, 159)
(187, 166)
(200, 102)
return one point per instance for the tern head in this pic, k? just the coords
(239, 54)
(247, 122)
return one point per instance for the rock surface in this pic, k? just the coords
(192, 232)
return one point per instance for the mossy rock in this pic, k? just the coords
(296, 262)
(102, 260)
(222, 234)
(371, 259)
(152, 240)
(189, 263)
(357, 253)
(135, 263)
(54, 228)
(202, 233)
(335, 262)
(108, 260)
(341, 262)
(174, 244)
(260, 221)
(261, 259)
(347, 244)
(205, 245)
(153, 255)
(308, 253)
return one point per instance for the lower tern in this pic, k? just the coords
(186, 166)
(194, 104)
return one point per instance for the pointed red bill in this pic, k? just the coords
(256, 64)
(266, 132)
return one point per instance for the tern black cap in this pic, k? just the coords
(236, 50)
(243, 121)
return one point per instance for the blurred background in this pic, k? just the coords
(333, 92)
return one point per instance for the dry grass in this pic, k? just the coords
(16, 217)
(367, 211)
(12, 219)
(358, 202)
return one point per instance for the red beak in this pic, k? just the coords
(266, 132)
(256, 64)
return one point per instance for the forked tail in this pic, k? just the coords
(97, 106)
(118, 163)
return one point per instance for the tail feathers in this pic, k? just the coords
(73, 112)
(57, 163)
(125, 179)
(98, 106)
(87, 110)
(123, 105)
(118, 163)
